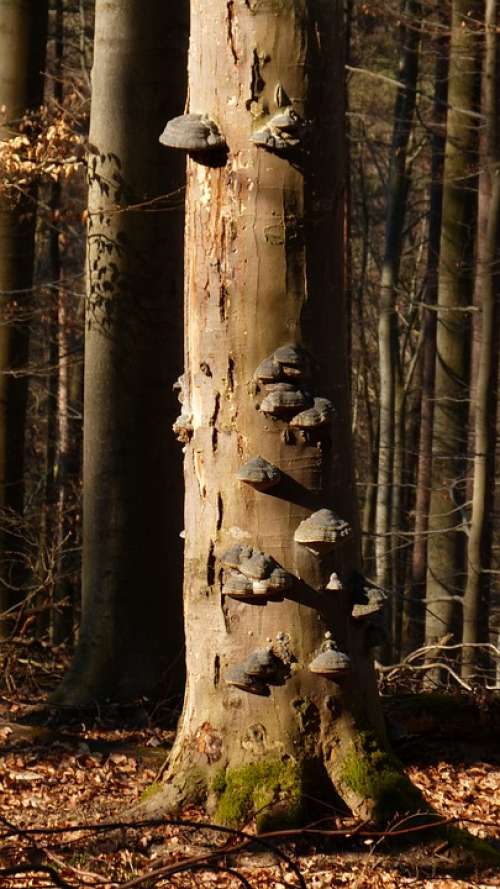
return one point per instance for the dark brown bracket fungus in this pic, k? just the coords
(263, 664)
(239, 678)
(289, 363)
(195, 133)
(283, 133)
(284, 400)
(321, 531)
(320, 414)
(259, 474)
(330, 661)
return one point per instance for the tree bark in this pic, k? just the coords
(23, 30)
(476, 598)
(390, 371)
(445, 546)
(414, 612)
(259, 278)
(130, 631)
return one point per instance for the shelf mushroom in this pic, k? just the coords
(330, 661)
(321, 531)
(239, 678)
(313, 417)
(194, 133)
(259, 474)
(253, 575)
(284, 399)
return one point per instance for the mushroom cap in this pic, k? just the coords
(323, 528)
(193, 132)
(257, 565)
(291, 354)
(259, 473)
(233, 556)
(268, 371)
(237, 585)
(239, 678)
(334, 583)
(281, 400)
(261, 663)
(331, 662)
(318, 415)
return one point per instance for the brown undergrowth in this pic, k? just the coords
(88, 769)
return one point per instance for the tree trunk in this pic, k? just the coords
(23, 30)
(476, 599)
(445, 545)
(414, 613)
(390, 382)
(130, 632)
(265, 306)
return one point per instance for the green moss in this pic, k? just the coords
(479, 850)
(375, 774)
(150, 791)
(271, 790)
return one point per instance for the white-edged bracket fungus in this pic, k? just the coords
(253, 574)
(283, 132)
(284, 399)
(194, 133)
(318, 415)
(259, 474)
(330, 661)
(321, 531)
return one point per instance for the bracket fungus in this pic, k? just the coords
(313, 417)
(254, 574)
(183, 428)
(287, 363)
(259, 474)
(239, 678)
(194, 133)
(330, 661)
(321, 531)
(334, 584)
(263, 664)
(284, 399)
(283, 132)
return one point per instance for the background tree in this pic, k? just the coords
(23, 30)
(130, 630)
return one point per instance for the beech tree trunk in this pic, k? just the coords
(414, 610)
(264, 271)
(130, 631)
(445, 547)
(476, 596)
(23, 30)
(390, 370)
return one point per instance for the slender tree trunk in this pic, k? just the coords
(388, 327)
(23, 30)
(130, 631)
(265, 305)
(476, 599)
(445, 545)
(414, 612)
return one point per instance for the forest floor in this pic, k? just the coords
(70, 783)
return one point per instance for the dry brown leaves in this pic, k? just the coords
(80, 776)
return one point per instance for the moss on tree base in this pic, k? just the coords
(271, 791)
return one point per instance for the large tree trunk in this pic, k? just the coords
(23, 30)
(265, 263)
(130, 632)
(476, 596)
(445, 545)
(390, 370)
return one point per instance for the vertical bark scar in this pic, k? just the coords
(216, 670)
(230, 35)
(257, 82)
(220, 511)
(230, 374)
(213, 422)
(211, 564)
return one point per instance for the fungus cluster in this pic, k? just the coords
(261, 668)
(253, 574)
(284, 132)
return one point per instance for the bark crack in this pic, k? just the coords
(230, 35)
